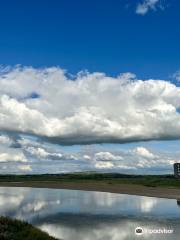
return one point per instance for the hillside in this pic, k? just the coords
(15, 230)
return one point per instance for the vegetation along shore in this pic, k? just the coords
(165, 186)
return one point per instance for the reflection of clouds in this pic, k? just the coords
(82, 215)
(38, 206)
(107, 199)
(27, 203)
(147, 204)
(10, 201)
(116, 230)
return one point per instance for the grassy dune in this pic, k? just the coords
(17, 230)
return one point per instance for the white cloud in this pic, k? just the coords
(46, 158)
(146, 5)
(144, 152)
(12, 157)
(93, 108)
(25, 168)
(106, 156)
(104, 165)
(144, 159)
(4, 139)
(42, 153)
(176, 76)
(87, 157)
(38, 152)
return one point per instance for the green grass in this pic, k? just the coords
(109, 178)
(16, 230)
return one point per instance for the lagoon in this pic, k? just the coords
(85, 215)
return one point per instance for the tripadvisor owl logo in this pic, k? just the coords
(138, 231)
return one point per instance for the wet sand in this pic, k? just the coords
(131, 189)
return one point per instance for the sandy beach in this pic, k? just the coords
(131, 189)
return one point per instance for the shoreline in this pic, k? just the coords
(130, 189)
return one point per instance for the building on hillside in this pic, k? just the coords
(177, 170)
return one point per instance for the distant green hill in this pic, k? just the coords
(94, 177)
(17, 230)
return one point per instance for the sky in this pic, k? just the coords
(89, 86)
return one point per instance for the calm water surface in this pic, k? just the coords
(81, 215)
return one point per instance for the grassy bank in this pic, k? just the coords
(108, 178)
(15, 230)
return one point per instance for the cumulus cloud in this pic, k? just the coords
(92, 108)
(4, 139)
(42, 153)
(41, 157)
(12, 157)
(106, 156)
(104, 165)
(176, 75)
(25, 168)
(137, 159)
(144, 152)
(146, 5)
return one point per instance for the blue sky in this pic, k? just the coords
(103, 36)
(139, 38)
